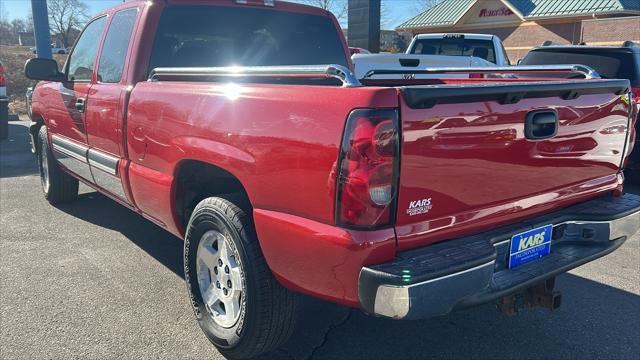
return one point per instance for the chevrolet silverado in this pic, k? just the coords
(240, 127)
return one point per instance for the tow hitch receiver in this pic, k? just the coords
(539, 295)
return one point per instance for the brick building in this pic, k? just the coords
(523, 24)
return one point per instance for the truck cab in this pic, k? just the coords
(484, 46)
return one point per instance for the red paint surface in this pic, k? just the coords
(282, 151)
(320, 259)
(480, 171)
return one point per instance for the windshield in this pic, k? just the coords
(192, 36)
(610, 65)
(455, 46)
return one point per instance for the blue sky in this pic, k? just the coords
(398, 10)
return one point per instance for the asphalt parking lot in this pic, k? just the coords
(94, 280)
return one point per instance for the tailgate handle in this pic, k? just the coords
(409, 62)
(541, 124)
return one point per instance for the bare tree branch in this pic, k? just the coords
(65, 16)
(337, 7)
(422, 5)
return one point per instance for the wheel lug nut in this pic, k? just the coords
(215, 270)
(226, 269)
(218, 284)
(229, 284)
(219, 262)
(225, 291)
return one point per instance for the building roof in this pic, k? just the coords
(532, 9)
(444, 13)
(449, 12)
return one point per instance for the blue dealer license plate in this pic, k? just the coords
(530, 245)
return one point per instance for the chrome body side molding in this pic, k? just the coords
(104, 168)
(104, 162)
(92, 165)
(72, 155)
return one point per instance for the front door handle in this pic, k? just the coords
(80, 104)
(541, 124)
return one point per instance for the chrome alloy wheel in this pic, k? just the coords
(44, 169)
(219, 278)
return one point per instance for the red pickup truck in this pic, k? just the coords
(239, 126)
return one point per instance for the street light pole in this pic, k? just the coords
(41, 28)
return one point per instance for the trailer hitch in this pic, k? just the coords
(539, 295)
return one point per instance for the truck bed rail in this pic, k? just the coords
(346, 76)
(575, 69)
(331, 71)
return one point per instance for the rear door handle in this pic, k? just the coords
(80, 104)
(541, 124)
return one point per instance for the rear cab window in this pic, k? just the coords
(610, 64)
(203, 36)
(455, 46)
(116, 44)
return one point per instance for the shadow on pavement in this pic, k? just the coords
(98, 209)
(595, 321)
(16, 158)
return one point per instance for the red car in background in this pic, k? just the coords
(4, 106)
(357, 50)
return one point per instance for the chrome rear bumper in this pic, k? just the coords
(437, 279)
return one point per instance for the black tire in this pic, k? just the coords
(58, 186)
(268, 311)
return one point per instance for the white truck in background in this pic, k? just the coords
(485, 46)
(450, 50)
(364, 65)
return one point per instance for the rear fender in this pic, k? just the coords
(154, 190)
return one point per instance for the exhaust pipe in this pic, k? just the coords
(541, 295)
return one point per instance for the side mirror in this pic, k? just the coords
(43, 69)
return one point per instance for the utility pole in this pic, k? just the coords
(364, 24)
(41, 28)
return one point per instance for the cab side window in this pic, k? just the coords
(82, 58)
(116, 44)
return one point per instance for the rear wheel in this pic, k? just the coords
(58, 186)
(237, 302)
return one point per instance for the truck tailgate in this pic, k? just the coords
(477, 156)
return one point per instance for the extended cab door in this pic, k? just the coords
(66, 120)
(106, 105)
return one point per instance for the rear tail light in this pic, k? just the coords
(1, 75)
(368, 169)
